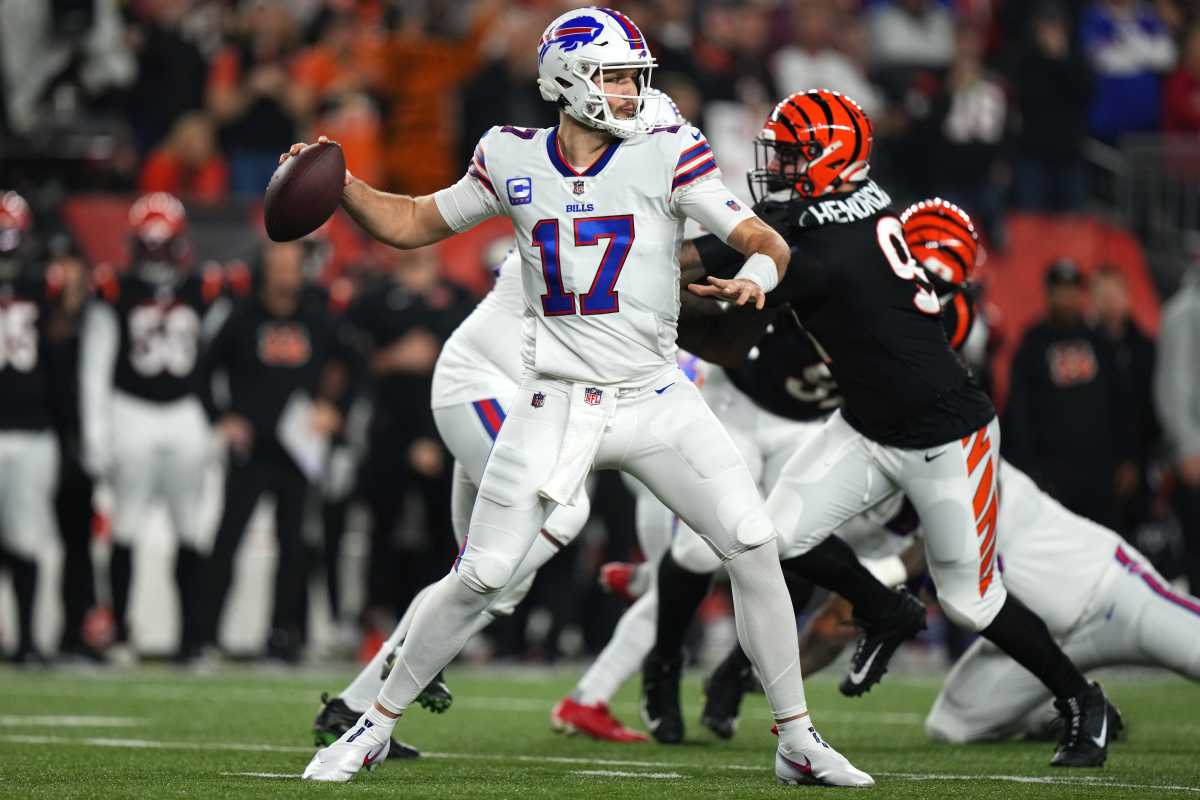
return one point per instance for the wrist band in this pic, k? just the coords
(760, 269)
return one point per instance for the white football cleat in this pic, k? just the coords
(818, 763)
(364, 745)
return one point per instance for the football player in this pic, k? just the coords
(911, 421)
(143, 427)
(475, 377)
(600, 385)
(29, 457)
(943, 237)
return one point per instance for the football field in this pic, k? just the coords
(245, 733)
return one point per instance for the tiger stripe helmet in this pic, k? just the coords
(813, 142)
(942, 239)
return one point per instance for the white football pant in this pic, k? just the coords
(665, 436)
(840, 473)
(766, 442)
(160, 450)
(28, 480)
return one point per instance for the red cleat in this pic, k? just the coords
(596, 721)
(620, 578)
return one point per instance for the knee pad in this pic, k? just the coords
(693, 553)
(510, 598)
(485, 573)
(972, 612)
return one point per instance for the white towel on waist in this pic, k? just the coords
(589, 410)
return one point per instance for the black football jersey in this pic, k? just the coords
(160, 331)
(874, 313)
(784, 373)
(26, 301)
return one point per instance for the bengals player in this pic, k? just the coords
(912, 420)
(144, 431)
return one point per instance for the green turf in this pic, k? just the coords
(495, 743)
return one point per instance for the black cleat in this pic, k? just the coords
(1053, 731)
(660, 699)
(436, 697)
(878, 644)
(1086, 732)
(723, 691)
(335, 718)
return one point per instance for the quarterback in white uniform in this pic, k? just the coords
(598, 203)
(474, 380)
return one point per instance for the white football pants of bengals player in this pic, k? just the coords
(469, 431)
(840, 473)
(159, 450)
(28, 478)
(665, 436)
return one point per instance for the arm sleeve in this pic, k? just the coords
(473, 199)
(697, 191)
(709, 202)
(1175, 383)
(99, 341)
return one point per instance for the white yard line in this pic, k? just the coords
(66, 721)
(151, 744)
(292, 775)
(610, 773)
(1081, 781)
(93, 741)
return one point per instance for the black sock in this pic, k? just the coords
(833, 565)
(680, 593)
(120, 576)
(187, 572)
(1021, 634)
(24, 578)
(800, 590)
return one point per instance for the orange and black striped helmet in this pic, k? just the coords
(812, 143)
(942, 239)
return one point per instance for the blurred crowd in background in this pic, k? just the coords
(1014, 109)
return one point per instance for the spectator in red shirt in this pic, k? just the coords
(187, 164)
(1181, 99)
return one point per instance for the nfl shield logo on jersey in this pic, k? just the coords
(592, 395)
(578, 188)
(539, 400)
(733, 205)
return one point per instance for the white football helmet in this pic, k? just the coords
(658, 109)
(573, 54)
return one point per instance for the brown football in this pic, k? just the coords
(304, 191)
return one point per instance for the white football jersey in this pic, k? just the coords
(1051, 558)
(482, 358)
(598, 245)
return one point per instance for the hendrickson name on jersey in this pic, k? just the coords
(860, 205)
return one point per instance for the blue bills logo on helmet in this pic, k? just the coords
(571, 34)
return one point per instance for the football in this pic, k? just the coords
(304, 191)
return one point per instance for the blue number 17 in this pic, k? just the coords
(601, 297)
